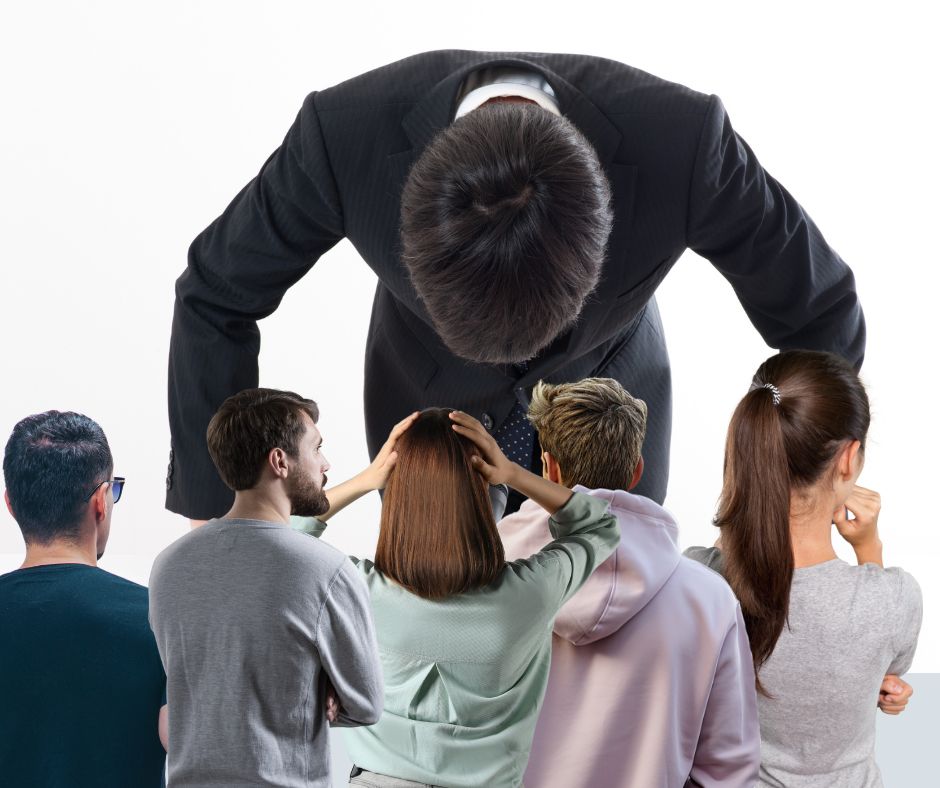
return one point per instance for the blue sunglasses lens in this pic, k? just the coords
(117, 487)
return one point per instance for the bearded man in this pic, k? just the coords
(266, 635)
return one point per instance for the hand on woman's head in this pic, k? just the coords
(380, 468)
(491, 463)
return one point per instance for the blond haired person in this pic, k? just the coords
(650, 659)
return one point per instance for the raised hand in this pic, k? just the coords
(491, 463)
(861, 532)
(376, 475)
(496, 468)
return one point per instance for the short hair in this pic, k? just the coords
(248, 425)
(593, 428)
(437, 535)
(507, 209)
(51, 464)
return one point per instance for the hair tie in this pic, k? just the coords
(773, 390)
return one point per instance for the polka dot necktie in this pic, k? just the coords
(515, 437)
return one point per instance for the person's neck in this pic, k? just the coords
(60, 552)
(258, 504)
(811, 531)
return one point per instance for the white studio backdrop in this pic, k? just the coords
(127, 128)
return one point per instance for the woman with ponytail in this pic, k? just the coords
(823, 632)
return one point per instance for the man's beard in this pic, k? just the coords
(306, 497)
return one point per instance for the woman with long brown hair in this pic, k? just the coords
(823, 632)
(464, 637)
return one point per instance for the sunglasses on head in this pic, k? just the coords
(117, 487)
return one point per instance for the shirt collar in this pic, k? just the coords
(485, 84)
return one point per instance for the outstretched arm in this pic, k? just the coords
(796, 290)
(238, 270)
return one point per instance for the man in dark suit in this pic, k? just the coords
(657, 169)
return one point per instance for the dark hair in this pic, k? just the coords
(507, 207)
(780, 439)
(248, 425)
(593, 428)
(51, 464)
(437, 535)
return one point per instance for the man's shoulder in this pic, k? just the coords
(230, 542)
(617, 87)
(122, 587)
(402, 81)
(88, 577)
(610, 84)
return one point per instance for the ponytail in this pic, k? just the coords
(802, 408)
(754, 517)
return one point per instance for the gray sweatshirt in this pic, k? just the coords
(849, 626)
(251, 620)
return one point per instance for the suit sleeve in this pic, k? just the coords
(348, 650)
(728, 751)
(795, 289)
(238, 270)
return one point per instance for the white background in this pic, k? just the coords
(126, 128)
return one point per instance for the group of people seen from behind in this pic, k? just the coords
(570, 643)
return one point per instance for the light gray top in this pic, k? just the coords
(251, 619)
(849, 626)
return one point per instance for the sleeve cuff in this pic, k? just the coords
(580, 508)
(308, 525)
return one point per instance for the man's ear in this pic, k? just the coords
(550, 467)
(637, 474)
(99, 502)
(277, 462)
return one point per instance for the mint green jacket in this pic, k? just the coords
(465, 676)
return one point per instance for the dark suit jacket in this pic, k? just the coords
(681, 178)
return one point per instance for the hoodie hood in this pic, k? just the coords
(620, 587)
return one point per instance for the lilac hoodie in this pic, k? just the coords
(651, 680)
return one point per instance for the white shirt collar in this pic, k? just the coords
(485, 84)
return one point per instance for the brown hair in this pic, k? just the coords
(593, 428)
(251, 423)
(437, 535)
(802, 408)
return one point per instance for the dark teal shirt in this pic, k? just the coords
(81, 683)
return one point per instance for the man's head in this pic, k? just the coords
(57, 468)
(264, 436)
(505, 213)
(591, 432)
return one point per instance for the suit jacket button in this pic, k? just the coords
(487, 421)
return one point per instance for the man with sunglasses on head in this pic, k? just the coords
(82, 689)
